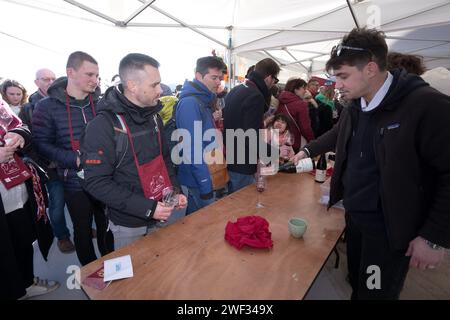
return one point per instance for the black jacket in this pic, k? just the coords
(412, 152)
(113, 180)
(12, 286)
(245, 106)
(26, 113)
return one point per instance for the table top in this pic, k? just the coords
(190, 259)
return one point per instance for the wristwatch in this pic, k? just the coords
(433, 246)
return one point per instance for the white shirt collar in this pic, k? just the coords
(379, 96)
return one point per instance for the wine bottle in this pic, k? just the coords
(321, 169)
(304, 165)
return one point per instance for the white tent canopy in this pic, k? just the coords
(297, 34)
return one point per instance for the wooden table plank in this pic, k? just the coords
(190, 259)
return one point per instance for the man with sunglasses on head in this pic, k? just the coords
(392, 167)
(245, 106)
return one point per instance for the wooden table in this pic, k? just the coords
(190, 259)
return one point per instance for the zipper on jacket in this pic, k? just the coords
(156, 123)
(84, 116)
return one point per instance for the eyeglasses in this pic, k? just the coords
(47, 79)
(275, 79)
(337, 50)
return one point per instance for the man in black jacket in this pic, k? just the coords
(245, 106)
(124, 155)
(392, 167)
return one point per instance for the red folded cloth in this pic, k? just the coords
(252, 231)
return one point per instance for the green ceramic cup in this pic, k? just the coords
(297, 227)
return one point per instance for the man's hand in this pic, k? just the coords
(268, 120)
(14, 140)
(162, 212)
(182, 201)
(6, 154)
(422, 256)
(299, 156)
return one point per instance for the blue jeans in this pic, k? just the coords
(56, 205)
(195, 202)
(239, 180)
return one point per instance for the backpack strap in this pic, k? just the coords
(120, 135)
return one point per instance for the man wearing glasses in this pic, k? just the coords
(44, 78)
(392, 167)
(245, 106)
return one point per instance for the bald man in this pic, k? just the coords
(44, 78)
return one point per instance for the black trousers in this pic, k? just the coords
(368, 252)
(82, 209)
(17, 253)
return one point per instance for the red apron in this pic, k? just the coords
(153, 175)
(14, 172)
(75, 143)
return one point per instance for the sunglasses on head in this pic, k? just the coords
(337, 50)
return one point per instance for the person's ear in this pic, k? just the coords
(131, 86)
(198, 76)
(372, 69)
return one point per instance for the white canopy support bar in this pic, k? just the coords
(184, 24)
(137, 12)
(295, 59)
(94, 12)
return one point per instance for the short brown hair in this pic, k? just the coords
(267, 67)
(77, 58)
(294, 84)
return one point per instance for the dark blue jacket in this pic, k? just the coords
(51, 132)
(194, 106)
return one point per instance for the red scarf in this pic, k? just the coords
(38, 194)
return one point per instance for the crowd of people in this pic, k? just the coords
(111, 157)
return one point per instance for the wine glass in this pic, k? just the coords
(220, 103)
(170, 198)
(260, 187)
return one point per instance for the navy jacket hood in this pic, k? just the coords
(58, 88)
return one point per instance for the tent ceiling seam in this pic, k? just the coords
(300, 24)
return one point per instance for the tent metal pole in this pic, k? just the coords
(90, 10)
(293, 57)
(184, 24)
(353, 14)
(137, 12)
(230, 59)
